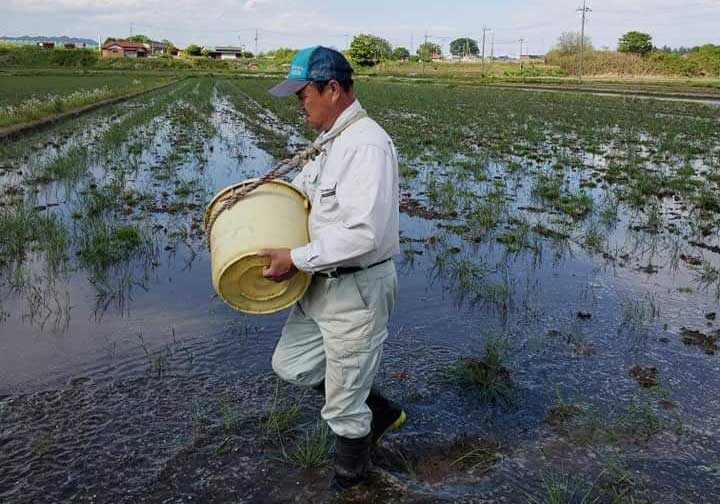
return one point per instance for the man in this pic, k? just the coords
(334, 335)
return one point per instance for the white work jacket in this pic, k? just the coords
(353, 190)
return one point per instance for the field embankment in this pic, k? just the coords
(26, 99)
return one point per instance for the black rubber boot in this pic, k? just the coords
(387, 415)
(352, 461)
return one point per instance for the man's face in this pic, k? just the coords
(319, 108)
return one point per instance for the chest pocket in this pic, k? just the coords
(327, 207)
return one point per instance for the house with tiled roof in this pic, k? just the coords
(124, 49)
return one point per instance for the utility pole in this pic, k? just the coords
(492, 51)
(484, 30)
(347, 41)
(422, 53)
(412, 43)
(585, 9)
(131, 28)
(256, 42)
(522, 40)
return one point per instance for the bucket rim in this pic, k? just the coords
(229, 188)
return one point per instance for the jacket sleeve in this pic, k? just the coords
(364, 195)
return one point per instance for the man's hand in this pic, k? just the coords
(281, 266)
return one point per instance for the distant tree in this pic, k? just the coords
(170, 47)
(193, 50)
(400, 53)
(247, 54)
(635, 42)
(464, 47)
(569, 43)
(428, 51)
(108, 40)
(281, 55)
(368, 50)
(140, 38)
(205, 52)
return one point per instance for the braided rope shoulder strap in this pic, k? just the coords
(281, 169)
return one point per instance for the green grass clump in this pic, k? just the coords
(548, 187)
(103, 246)
(283, 416)
(310, 450)
(69, 166)
(487, 377)
(231, 415)
(516, 238)
(594, 239)
(24, 229)
(577, 205)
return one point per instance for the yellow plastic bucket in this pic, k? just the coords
(275, 215)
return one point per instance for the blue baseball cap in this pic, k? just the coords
(313, 64)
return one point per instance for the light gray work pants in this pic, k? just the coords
(336, 332)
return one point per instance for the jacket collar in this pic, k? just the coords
(347, 115)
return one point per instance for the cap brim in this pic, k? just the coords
(287, 88)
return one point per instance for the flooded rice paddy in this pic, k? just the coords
(555, 339)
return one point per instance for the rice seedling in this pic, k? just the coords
(23, 227)
(548, 187)
(609, 212)
(283, 416)
(199, 418)
(69, 166)
(158, 361)
(561, 488)
(516, 238)
(311, 449)
(486, 377)
(708, 275)
(594, 238)
(104, 245)
(231, 415)
(478, 459)
(640, 311)
(562, 411)
(577, 205)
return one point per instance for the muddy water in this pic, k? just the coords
(160, 395)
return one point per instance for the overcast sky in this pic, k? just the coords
(299, 23)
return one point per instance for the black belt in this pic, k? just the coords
(342, 270)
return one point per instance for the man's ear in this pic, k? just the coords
(336, 88)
